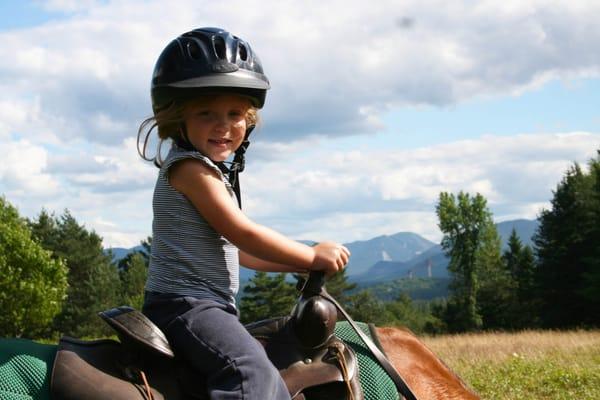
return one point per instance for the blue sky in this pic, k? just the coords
(16, 14)
(368, 118)
(554, 107)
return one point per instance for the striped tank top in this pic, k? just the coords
(188, 257)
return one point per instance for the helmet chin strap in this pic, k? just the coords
(237, 166)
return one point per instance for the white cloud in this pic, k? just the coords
(22, 171)
(73, 90)
(330, 76)
(307, 194)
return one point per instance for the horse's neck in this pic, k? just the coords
(426, 374)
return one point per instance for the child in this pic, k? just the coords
(206, 88)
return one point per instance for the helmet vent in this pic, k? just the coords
(219, 45)
(193, 50)
(243, 51)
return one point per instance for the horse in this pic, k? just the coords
(313, 361)
(427, 375)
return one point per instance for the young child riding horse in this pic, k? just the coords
(206, 89)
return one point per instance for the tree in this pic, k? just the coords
(495, 297)
(405, 313)
(590, 290)
(93, 281)
(567, 246)
(266, 297)
(338, 287)
(33, 284)
(519, 262)
(133, 271)
(364, 306)
(470, 242)
(133, 279)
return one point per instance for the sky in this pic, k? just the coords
(374, 108)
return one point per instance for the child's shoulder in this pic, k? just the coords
(178, 155)
(186, 163)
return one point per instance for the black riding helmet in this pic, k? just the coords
(207, 60)
(210, 61)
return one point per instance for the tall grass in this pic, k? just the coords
(525, 365)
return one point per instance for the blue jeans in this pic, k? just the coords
(210, 337)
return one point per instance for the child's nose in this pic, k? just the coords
(222, 122)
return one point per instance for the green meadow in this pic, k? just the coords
(525, 365)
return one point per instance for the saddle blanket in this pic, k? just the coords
(25, 369)
(375, 382)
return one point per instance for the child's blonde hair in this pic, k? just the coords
(169, 123)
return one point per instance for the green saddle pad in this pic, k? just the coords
(25, 369)
(375, 382)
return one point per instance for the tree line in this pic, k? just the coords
(554, 285)
(56, 276)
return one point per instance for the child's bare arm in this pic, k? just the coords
(250, 261)
(206, 191)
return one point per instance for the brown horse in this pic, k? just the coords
(427, 376)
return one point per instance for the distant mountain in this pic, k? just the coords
(119, 253)
(429, 264)
(525, 230)
(400, 247)
(433, 263)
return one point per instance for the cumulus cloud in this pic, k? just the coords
(72, 91)
(90, 71)
(22, 171)
(358, 189)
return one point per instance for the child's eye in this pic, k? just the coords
(205, 115)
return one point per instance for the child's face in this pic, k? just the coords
(216, 126)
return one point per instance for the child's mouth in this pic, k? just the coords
(219, 142)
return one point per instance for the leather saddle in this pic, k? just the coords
(313, 362)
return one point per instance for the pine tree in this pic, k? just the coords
(93, 281)
(512, 255)
(267, 297)
(496, 291)
(567, 251)
(33, 284)
(590, 290)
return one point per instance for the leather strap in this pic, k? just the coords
(402, 387)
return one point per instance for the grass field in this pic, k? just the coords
(525, 365)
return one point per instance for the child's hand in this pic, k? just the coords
(330, 257)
